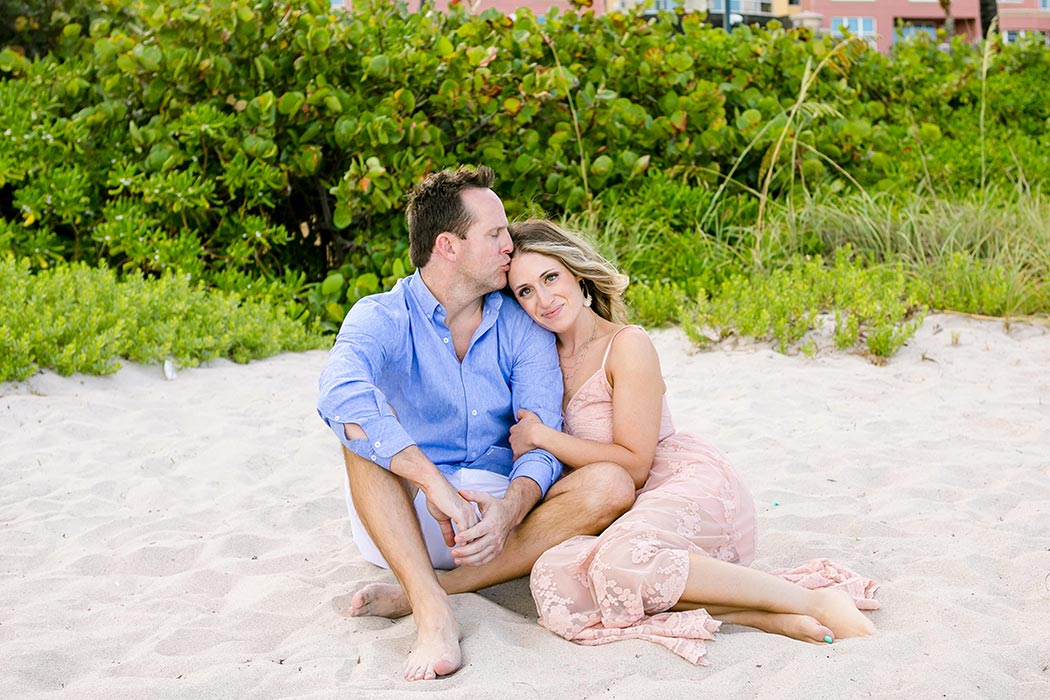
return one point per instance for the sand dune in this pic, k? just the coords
(188, 538)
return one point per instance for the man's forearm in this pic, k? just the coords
(522, 494)
(414, 466)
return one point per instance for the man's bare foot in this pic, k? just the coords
(436, 651)
(801, 627)
(837, 610)
(380, 599)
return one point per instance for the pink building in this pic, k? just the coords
(1017, 17)
(876, 20)
(538, 7)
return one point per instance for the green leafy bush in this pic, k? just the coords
(257, 139)
(74, 318)
(873, 306)
(264, 148)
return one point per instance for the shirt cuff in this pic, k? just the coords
(540, 466)
(385, 439)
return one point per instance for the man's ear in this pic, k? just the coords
(446, 245)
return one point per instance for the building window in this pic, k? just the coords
(750, 7)
(863, 27)
(1011, 37)
(1044, 4)
(913, 29)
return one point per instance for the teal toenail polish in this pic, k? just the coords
(776, 503)
(828, 639)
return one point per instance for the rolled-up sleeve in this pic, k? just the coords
(347, 387)
(536, 386)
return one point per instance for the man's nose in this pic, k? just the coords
(508, 244)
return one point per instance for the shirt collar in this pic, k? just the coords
(422, 294)
(429, 303)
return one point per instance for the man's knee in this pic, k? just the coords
(609, 491)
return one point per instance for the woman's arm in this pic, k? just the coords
(633, 368)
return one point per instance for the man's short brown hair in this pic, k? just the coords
(435, 207)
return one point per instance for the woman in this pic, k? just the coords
(678, 559)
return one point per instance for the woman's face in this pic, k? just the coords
(545, 288)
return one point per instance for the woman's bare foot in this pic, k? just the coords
(380, 599)
(837, 610)
(436, 651)
(801, 627)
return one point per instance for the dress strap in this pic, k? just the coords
(608, 347)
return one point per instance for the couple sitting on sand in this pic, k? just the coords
(447, 397)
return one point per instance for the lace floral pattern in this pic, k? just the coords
(622, 583)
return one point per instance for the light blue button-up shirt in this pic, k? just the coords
(393, 371)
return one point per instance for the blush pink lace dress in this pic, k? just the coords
(620, 584)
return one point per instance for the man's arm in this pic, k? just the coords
(499, 516)
(347, 389)
(445, 504)
(536, 385)
(357, 411)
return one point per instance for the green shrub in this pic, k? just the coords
(873, 306)
(260, 138)
(655, 303)
(986, 253)
(73, 318)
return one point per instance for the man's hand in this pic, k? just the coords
(452, 512)
(483, 543)
(450, 509)
(525, 433)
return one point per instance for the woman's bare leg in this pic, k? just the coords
(801, 627)
(741, 595)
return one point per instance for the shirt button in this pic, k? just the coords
(446, 340)
(372, 456)
(378, 444)
(474, 412)
(337, 419)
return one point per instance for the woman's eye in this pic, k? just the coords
(523, 292)
(552, 277)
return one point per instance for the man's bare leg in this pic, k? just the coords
(583, 502)
(384, 503)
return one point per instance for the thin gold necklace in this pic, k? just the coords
(579, 355)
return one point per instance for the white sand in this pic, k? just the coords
(188, 539)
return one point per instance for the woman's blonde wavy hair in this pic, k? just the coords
(598, 277)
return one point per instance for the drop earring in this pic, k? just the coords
(586, 295)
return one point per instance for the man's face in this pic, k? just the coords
(485, 252)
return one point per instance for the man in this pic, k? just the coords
(421, 388)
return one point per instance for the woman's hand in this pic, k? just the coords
(526, 433)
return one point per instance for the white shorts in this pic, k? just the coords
(440, 554)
